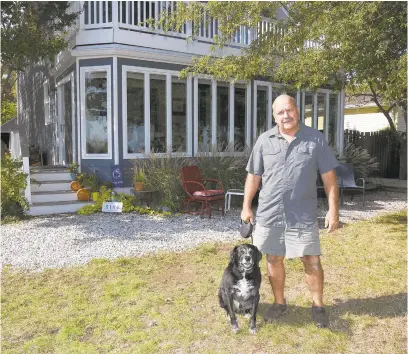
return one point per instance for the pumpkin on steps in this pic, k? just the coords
(75, 185)
(83, 194)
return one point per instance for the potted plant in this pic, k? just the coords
(73, 171)
(139, 179)
(91, 182)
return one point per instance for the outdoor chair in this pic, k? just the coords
(195, 187)
(345, 174)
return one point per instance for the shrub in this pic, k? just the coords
(226, 166)
(162, 174)
(363, 163)
(13, 182)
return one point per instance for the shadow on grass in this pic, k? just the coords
(389, 306)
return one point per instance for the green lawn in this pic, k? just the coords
(168, 303)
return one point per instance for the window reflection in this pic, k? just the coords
(96, 117)
(204, 117)
(135, 113)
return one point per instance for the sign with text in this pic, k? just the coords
(117, 178)
(112, 207)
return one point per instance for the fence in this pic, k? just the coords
(382, 145)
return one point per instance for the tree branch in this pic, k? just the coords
(386, 114)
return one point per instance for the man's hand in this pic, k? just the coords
(247, 215)
(331, 221)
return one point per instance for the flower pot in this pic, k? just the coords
(75, 186)
(94, 196)
(73, 176)
(83, 194)
(139, 186)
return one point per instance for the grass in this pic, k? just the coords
(167, 303)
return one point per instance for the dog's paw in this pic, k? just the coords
(235, 328)
(247, 316)
(253, 330)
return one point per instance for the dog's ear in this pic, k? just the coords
(233, 254)
(258, 254)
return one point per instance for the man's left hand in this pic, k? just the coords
(331, 221)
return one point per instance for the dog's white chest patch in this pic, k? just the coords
(243, 288)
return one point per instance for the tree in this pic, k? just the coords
(31, 31)
(357, 46)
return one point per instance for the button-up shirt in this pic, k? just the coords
(289, 174)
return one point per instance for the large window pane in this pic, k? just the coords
(321, 111)
(179, 106)
(239, 118)
(158, 113)
(222, 116)
(135, 113)
(204, 117)
(333, 111)
(261, 110)
(308, 109)
(96, 114)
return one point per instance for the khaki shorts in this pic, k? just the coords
(291, 243)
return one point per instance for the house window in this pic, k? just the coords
(223, 116)
(158, 143)
(135, 113)
(96, 112)
(240, 117)
(321, 112)
(179, 115)
(262, 108)
(308, 109)
(204, 123)
(47, 106)
(155, 111)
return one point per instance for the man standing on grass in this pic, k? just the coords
(287, 159)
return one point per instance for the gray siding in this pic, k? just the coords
(31, 120)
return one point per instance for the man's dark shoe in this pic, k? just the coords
(274, 312)
(320, 317)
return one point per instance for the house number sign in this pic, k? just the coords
(112, 207)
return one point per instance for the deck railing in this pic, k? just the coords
(135, 15)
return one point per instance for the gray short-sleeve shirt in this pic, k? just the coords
(289, 174)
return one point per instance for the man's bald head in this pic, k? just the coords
(286, 114)
(283, 98)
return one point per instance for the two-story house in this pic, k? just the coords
(115, 94)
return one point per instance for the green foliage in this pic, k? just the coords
(8, 110)
(139, 175)
(359, 46)
(227, 167)
(32, 31)
(89, 181)
(163, 173)
(129, 204)
(13, 183)
(73, 168)
(359, 157)
(163, 176)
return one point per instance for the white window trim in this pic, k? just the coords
(268, 85)
(47, 112)
(83, 71)
(169, 114)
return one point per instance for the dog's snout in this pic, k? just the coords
(247, 258)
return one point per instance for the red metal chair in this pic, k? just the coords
(194, 186)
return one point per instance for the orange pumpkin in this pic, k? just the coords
(83, 194)
(75, 185)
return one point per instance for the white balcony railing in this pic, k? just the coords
(135, 16)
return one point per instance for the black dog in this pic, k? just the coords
(239, 290)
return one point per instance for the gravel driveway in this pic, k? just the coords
(70, 239)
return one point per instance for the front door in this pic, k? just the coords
(66, 120)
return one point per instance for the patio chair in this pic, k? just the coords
(345, 172)
(195, 187)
